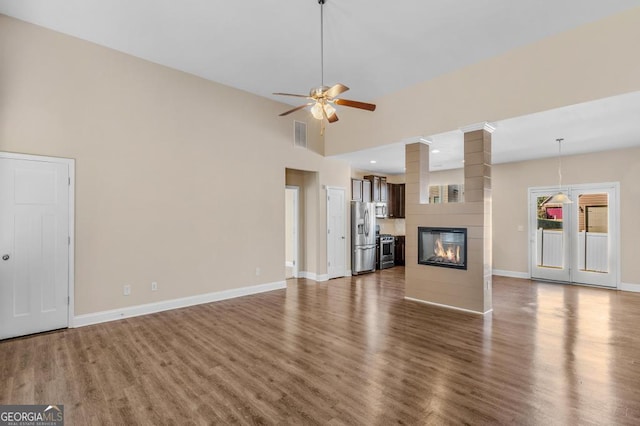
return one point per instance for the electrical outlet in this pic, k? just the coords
(154, 286)
(258, 271)
(126, 290)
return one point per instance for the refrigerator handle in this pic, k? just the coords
(366, 222)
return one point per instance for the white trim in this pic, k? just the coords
(289, 265)
(483, 125)
(629, 287)
(448, 306)
(150, 308)
(71, 164)
(511, 274)
(72, 240)
(307, 275)
(313, 276)
(31, 157)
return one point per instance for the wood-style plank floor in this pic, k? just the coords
(348, 351)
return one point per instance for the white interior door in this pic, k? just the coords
(575, 242)
(34, 246)
(291, 231)
(336, 233)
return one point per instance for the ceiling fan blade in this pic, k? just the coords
(291, 94)
(355, 104)
(293, 110)
(336, 90)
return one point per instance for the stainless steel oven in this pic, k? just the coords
(387, 251)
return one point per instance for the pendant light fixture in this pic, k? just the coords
(560, 197)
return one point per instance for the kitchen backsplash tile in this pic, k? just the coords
(391, 226)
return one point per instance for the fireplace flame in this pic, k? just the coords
(451, 254)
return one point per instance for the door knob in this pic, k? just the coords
(5, 257)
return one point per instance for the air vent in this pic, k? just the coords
(300, 133)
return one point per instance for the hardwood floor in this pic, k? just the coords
(348, 351)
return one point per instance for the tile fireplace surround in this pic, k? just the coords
(466, 289)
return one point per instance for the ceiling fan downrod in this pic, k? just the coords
(321, 3)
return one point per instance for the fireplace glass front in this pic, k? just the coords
(445, 247)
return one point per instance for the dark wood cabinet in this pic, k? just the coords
(391, 195)
(375, 189)
(356, 190)
(366, 191)
(384, 193)
(399, 199)
(396, 193)
(379, 193)
(360, 190)
(399, 250)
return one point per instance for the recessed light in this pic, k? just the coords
(373, 161)
(435, 151)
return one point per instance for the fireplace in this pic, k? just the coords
(445, 247)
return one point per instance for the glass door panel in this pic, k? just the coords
(550, 224)
(593, 238)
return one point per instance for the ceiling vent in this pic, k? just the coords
(300, 134)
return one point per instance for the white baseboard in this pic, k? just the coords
(313, 276)
(511, 274)
(629, 287)
(307, 275)
(448, 306)
(165, 305)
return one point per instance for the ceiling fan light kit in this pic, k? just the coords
(323, 98)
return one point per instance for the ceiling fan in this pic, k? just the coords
(324, 97)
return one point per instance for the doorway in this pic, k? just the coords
(36, 244)
(576, 242)
(291, 231)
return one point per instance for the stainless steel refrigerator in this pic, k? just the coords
(363, 237)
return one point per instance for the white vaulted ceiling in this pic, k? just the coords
(374, 47)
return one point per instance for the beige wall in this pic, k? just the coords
(591, 62)
(178, 180)
(510, 193)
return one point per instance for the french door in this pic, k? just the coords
(575, 242)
